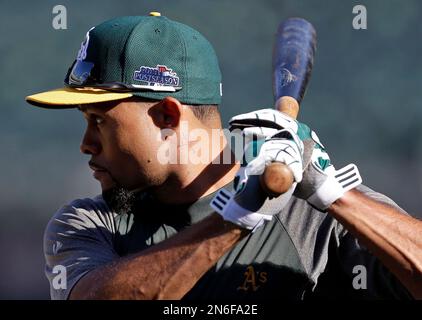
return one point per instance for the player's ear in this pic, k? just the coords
(167, 113)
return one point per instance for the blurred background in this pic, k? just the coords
(363, 100)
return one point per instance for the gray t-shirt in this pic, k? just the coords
(301, 254)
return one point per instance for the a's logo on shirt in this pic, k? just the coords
(159, 75)
(253, 279)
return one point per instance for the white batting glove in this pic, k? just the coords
(322, 184)
(262, 123)
(249, 206)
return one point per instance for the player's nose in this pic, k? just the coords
(90, 145)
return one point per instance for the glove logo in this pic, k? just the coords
(316, 139)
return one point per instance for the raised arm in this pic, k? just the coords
(393, 237)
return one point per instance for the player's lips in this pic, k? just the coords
(99, 172)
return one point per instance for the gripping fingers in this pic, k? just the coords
(268, 118)
(283, 150)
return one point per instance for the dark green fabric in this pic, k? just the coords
(120, 47)
(264, 263)
(301, 254)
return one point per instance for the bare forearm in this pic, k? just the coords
(167, 270)
(395, 238)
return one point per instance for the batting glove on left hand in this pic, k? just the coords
(322, 184)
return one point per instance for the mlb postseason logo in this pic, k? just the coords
(160, 75)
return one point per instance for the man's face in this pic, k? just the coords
(122, 141)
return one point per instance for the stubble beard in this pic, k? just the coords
(119, 199)
(122, 200)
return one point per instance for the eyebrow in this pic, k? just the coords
(87, 108)
(96, 107)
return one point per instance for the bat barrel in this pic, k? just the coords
(293, 58)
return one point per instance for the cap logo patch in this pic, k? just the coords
(160, 75)
(84, 47)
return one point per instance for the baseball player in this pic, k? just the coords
(199, 230)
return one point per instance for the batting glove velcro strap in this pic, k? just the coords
(335, 186)
(224, 205)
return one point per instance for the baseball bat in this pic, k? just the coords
(293, 58)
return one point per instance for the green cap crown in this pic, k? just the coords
(148, 50)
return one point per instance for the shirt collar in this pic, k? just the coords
(183, 214)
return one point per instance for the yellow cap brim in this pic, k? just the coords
(72, 97)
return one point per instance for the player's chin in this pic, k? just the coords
(105, 180)
(107, 186)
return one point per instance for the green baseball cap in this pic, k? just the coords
(146, 56)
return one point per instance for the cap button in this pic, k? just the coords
(155, 14)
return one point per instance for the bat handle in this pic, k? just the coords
(277, 177)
